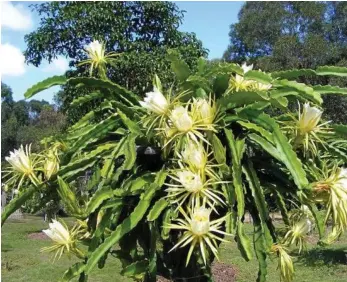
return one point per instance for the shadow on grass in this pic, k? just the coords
(33, 231)
(6, 248)
(319, 256)
(9, 266)
(22, 220)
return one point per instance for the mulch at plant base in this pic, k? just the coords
(38, 236)
(221, 272)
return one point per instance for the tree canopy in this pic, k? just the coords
(26, 122)
(294, 35)
(140, 32)
(287, 34)
(6, 93)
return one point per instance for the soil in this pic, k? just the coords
(162, 279)
(221, 273)
(38, 236)
(312, 239)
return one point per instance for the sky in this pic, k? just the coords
(209, 20)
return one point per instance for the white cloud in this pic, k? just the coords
(15, 17)
(11, 60)
(59, 64)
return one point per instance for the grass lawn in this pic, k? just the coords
(22, 261)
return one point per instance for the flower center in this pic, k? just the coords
(200, 225)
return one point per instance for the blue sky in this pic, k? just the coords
(209, 20)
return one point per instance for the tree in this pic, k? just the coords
(47, 122)
(6, 93)
(286, 35)
(289, 34)
(26, 122)
(8, 120)
(140, 32)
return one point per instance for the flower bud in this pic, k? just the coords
(51, 165)
(262, 86)
(194, 155)
(302, 227)
(205, 113)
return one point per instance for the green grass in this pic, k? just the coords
(22, 260)
(316, 265)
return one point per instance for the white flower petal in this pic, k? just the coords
(246, 68)
(200, 223)
(95, 51)
(156, 102)
(58, 233)
(190, 181)
(181, 119)
(309, 118)
(21, 160)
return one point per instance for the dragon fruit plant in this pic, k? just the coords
(174, 173)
